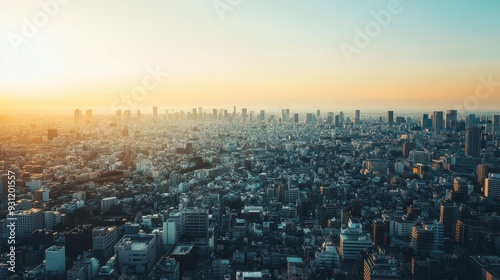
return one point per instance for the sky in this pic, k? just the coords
(326, 54)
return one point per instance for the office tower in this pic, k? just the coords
(88, 116)
(318, 113)
(234, 111)
(103, 242)
(42, 239)
(451, 120)
(407, 148)
(400, 120)
(437, 120)
(421, 239)
(55, 260)
(296, 118)
(424, 123)
(78, 240)
(200, 113)
(310, 118)
(51, 134)
(378, 233)
(492, 185)
(336, 122)
(180, 220)
(341, 116)
(329, 117)
(470, 120)
(155, 112)
(244, 114)
(495, 125)
(390, 117)
(449, 213)
(127, 114)
(196, 224)
(353, 240)
(214, 114)
(136, 253)
(195, 113)
(262, 116)
(78, 117)
(473, 142)
(357, 119)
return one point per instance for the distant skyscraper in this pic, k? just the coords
(470, 120)
(318, 113)
(295, 118)
(473, 142)
(155, 112)
(390, 116)
(78, 117)
(451, 120)
(356, 117)
(51, 134)
(437, 120)
(337, 121)
(425, 121)
(262, 115)
(214, 113)
(127, 114)
(341, 116)
(119, 113)
(88, 116)
(495, 125)
(244, 114)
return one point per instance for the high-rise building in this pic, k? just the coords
(155, 112)
(169, 233)
(378, 232)
(88, 116)
(78, 117)
(470, 120)
(103, 242)
(196, 224)
(353, 240)
(470, 234)
(473, 142)
(437, 120)
(55, 261)
(296, 118)
(495, 125)
(51, 134)
(492, 185)
(449, 213)
(262, 116)
(426, 122)
(244, 114)
(357, 119)
(407, 148)
(451, 120)
(390, 117)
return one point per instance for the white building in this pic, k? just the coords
(103, 241)
(136, 253)
(55, 260)
(52, 218)
(353, 240)
(27, 222)
(169, 234)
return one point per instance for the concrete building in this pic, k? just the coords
(136, 253)
(353, 240)
(55, 260)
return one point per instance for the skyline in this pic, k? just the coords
(428, 56)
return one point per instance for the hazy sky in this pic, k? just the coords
(258, 54)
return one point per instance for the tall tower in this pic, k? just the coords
(495, 126)
(473, 142)
(78, 117)
(437, 120)
(88, 116)
(155, 112)
(390, 117)
(451, 120)
(356, 117)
